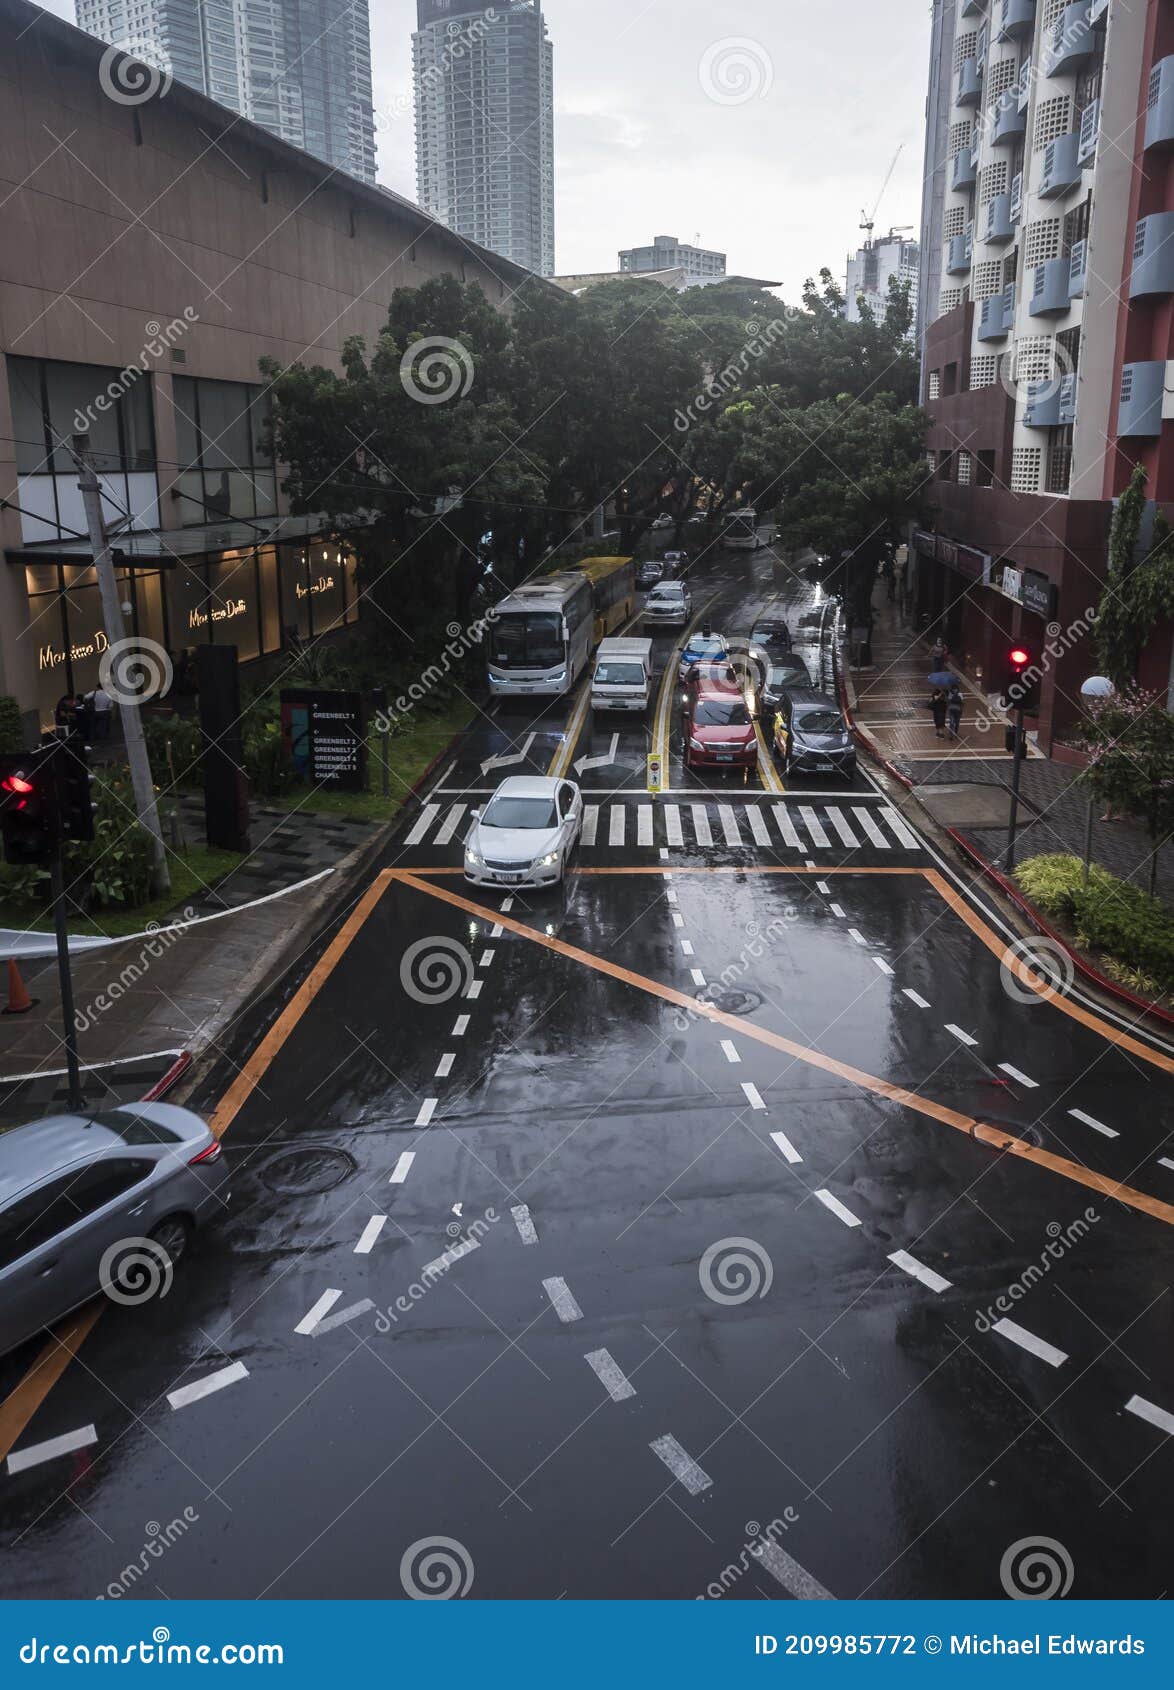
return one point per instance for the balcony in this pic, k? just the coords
(999, 226)
(1153, 256)
(1090, 133)
(1023, 90)
(964, 170)
(1010, 122)
(958, 252)
(1061, 172)
(1097, 10)
(1078, 269)
(1073, 41)
(1139, 407)
(1159, 117)
(1049, 288)
(969, 8)
(968, 86)
(1042, 409)
(1017, 198)
(1016, 18)
(993, 321)
(1067, 401)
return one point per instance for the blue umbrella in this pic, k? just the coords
(942, 678)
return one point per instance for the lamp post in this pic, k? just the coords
(1097, 686)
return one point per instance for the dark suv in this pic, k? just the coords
(811, 737)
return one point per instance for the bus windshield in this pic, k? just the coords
(533, 640)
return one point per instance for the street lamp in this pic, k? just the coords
(1097, 686)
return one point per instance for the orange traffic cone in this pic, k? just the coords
(19, 1002)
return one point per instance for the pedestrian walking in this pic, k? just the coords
(938, 705)
(101, 710)
(889, 572)
(954, 709)
(940, 654)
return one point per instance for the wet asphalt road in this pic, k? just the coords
(666, 1313)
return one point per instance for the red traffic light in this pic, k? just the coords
(1020, 658)
(17, 783)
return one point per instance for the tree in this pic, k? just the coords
(1138, 591)
(1130, 742)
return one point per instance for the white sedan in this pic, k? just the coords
(525, 834)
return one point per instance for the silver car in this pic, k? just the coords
(101, 1202)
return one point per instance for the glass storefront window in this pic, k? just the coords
(234, 604)
(270, 600)
(187, 603)
(326, 588)
(295, 594)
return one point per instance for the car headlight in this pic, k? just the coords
(696, 744)
(471, 856)
(549, 860)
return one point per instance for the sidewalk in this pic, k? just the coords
(966, 785)
(162, 994)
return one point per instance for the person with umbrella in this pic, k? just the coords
(941, 680)
(954, 707)
(938, 705)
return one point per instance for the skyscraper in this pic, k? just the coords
(300, 68)
(871, 268)
(485, 125)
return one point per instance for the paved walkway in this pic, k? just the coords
(966, 785)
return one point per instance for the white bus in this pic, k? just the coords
(742, 531)
(542, 637)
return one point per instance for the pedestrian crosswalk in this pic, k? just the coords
(810, 829)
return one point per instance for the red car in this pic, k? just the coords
(719, 729)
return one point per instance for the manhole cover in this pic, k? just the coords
(309, 1169)
(733, 1001)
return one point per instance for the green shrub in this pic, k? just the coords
(112, 872)
(174, 745)
(1109, 915)
(11, 738)
(267, 766)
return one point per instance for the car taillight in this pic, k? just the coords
(212, 1154)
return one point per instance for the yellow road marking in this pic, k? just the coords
(767, 773)
(996, 1137)
(560, 763)
(668, 687)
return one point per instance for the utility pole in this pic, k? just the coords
(1016, 767)
(132, 722)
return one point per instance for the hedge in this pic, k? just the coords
(1109, 915)
(10, 734)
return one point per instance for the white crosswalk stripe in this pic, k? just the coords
(744, 825)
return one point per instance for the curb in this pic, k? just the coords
(1007, 887)
(172, 1077)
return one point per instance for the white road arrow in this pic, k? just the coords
(513, 757)
(598, 762)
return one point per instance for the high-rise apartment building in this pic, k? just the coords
(1047, 346)
(299, 68)
(484, 80)
(668, 253)
(871, 268)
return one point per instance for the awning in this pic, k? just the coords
(164, 548)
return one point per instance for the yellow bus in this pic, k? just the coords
(613, 590)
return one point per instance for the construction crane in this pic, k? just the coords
(867, 223)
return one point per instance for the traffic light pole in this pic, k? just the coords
(132, 722)
(57, 878)
(1016, 766)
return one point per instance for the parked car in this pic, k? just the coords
(705, 647)
(771, 632)
(670, 605)
(664, 520)
(525, 834)
(649, 573)
(811, 736)
(676, 564)
(100, 1202)
(719, 729)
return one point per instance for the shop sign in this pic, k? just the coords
(321, 584)
(1037, 593)
(219, 613)
(325, 737)
(966, 560)
(53, 656)
(1010, 584)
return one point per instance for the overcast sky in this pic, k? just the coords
(812, 101)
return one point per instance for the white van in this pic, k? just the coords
(623, 675)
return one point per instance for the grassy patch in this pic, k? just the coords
(193, 873)
(1133, 932)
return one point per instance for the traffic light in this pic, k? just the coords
(76, 807)
(1023, 679)
(29, 816)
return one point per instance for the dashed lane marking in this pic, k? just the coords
(444, 1066)
(918, 1270)
(1165, 1162)
(840, 1210)
(730, 1050)
(680, 1464)
(473, 989)
(460, 1027)
(369, 1236)
(610, 1375)
(686, 947)
(310, 1320)
(753, 1095)
(698, 977)
(507, 904)
(1152, 1413)
(562, 1301)
(1019, 1075)
(441, 1265)
(855, 934)
(1026, 1340)
(787, 1148)
(915, 997)
(963, 1038)
(822, 886)
(786, 1571)
(1097, 1126)
(35, 1454)
(527, 1231)
(402, 1168)
(427, 1110)
(879, 962)
(487, 957)
(838, 911)
(343, 1318)
(200, 1388)
(678, 919)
